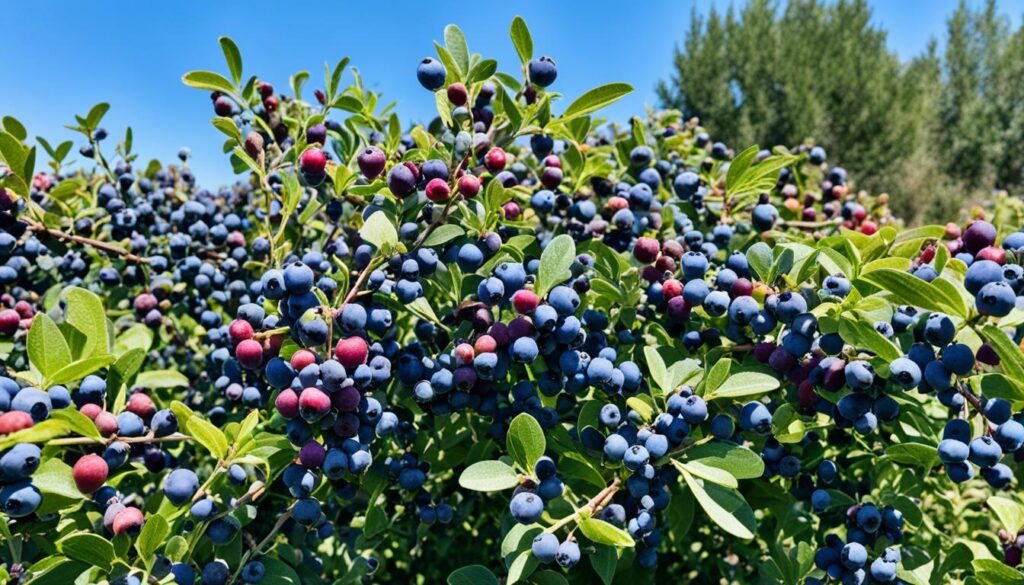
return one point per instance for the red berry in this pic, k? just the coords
(141, 405)
(552, 160)
(371, 162)
(512, 210)
(616, 203)
(266, 90)
(495, 160)
(271, 103)
(741, 288)
(240, 330)
(313, 404)
(351, 351)
(438, 190)
(525, 301)
(927, 255)
(313, 161)
(144, 303)
(250, 354)
(9, 321)
(89, 473)
(287, 403)
(303, 358)
(868, 228)
(24, 309)
(806, 395)
(485, 344)
(469, 186)
(997, 255)
(91, 410)
(646, 250)
(464, 353)
(14, 421)
(223, 106)
(952, 231)
(457, 94)
(671, 288)
(106, 423)
(129, 521)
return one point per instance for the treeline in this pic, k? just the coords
(939, 132)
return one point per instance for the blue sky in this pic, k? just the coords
(60, 58)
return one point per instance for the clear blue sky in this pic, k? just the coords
(59, 58)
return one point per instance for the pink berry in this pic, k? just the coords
(89, 473)
(250, 354)
(240, 330)
(9, 321)
(129, 521)
(525, 301)
(313, 404)
(495, 159)
(469, 186)
(106, 423)
(287, 403)
(351, 351)
(438, 190)
(14, 421)
(141, 405)
(313, 161)
(646, 250)
(303, 358)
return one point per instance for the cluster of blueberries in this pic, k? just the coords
(351, 388)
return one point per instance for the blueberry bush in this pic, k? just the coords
(518, 345)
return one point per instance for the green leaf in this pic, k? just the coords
(15, 128)
(1010, 513)
(95, 115)
(525, 441)
(81, 368)
(522, 40)
(604, 560)
(911, 290)
(54, 481)
(455, 42)
(472, 575)
(596, 99)
(717, 375)
(207, 80)
(379, 231)
(861, 334)
(993, 572)
(77, 422)
(555, 263)
(550, 577)
(233, 57)
(47, 349)
(154, 531)
(745, 384)
(88, 548)
(85, 313)
(228, 127)
(917, 454)
(709, 473)
(278, 572)
(489, 476)
(724, 506)
(161, 379)
(201, 430)
(741, 462)
(656, 365)
(602, 532)
(443, 235)
(759, 256)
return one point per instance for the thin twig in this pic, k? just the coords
(104, 246)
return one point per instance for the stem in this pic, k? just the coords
(104, 246)
(809, 225)
(595, 504)
(130, 440)
(259, 547)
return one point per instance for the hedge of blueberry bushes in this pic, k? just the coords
(513, 346)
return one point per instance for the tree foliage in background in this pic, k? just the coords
(940, 131)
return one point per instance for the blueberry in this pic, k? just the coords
(526, 507)
(568, 554)
(985, 452)
(545, 547)
(543, 71)
(19, 462)
(20, 498)
(180, 485)
(996, 299)
(905, 372)
(854, 555)
(431, 74)
(939, 329)
(755, 417)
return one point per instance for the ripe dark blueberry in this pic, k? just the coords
(431, 74)
(545, 547)
(543, 71)
(526, 507)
